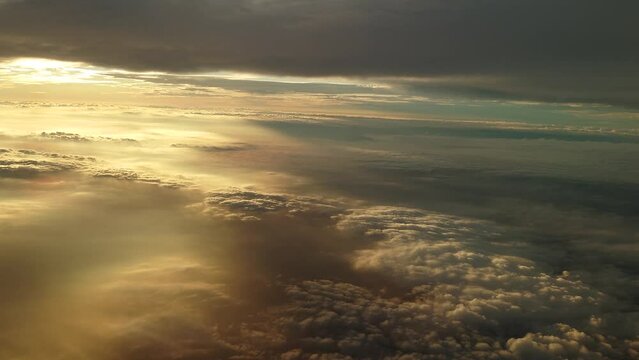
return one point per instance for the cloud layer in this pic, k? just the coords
(283, 276)
(333, 238)
(524, 48)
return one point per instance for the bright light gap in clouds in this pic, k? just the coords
(40, 70)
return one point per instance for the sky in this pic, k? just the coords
(297, 179)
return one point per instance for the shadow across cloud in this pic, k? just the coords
(240, 273)
(473, 265)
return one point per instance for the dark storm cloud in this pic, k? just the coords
(581, 41)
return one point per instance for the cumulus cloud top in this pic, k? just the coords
(73, 137)
(460, 296)
(141, 177)
(448, 242)
(250, 205)
(460, 302)
(26, 163)
(446, 287)
(339, 320)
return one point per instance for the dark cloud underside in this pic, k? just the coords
(584, 41)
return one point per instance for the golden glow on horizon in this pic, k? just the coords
(55, 81)
(43, 71)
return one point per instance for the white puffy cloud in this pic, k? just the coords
(565, 342)
(449, 288)
(458, 294)
(327, 318)
(470, 295)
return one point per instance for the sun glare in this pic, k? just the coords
(38, 71)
